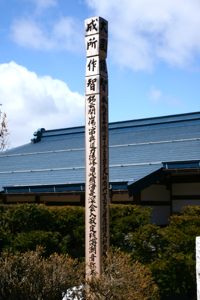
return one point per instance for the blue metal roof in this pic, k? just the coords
(137, 148)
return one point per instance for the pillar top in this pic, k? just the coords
(96, 25)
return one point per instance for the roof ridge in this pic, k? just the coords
(141, 122)
(160, 117)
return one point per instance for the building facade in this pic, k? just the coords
(152, 162)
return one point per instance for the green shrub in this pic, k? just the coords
(25, 241)
(175, 275)
(28, 217)
(146, 243)
(68, 222)
(123, 280)
(191, 210)
(29, 225)
(5, 239)
(125, 219)
(31, 276)
(170, 253)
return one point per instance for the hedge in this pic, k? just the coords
(61, 229)
(168, 252)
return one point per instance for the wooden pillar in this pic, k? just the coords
(96, 145)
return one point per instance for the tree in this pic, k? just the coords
(123, 279)
(169, 252)
(32, 276)
(3, 130)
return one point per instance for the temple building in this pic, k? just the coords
(152, 162)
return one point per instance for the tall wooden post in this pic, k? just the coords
(96, 145)
(198, 266)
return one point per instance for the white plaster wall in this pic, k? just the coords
(118, 197)
(186, 188)
(155, 193)
(160, 215)
(177, 205)
(61, 198)
(20, 198)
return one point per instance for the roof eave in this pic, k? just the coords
(137, 186)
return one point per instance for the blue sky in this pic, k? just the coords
(153, 60)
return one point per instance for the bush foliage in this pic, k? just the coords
(168, 252)
(31, 276)
(61, 229)
(123, 279)
(56, 229)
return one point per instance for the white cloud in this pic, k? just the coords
(155, 94)
(64, 34)
(27, 33)
(67, 33)
(159, 98)
(146, 31)
(38, 7)
(44, 4)
(32, 102)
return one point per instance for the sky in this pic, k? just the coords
(153, 61)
